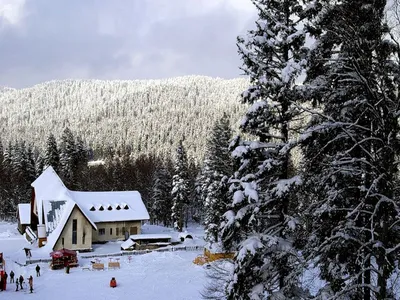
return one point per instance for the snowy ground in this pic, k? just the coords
(157, 275)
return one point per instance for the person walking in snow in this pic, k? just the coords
(1, 282)
(21, 281)
(12, 276)
(30, 281)
(37, 270)
(17, 285)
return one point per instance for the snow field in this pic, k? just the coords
(157, 275)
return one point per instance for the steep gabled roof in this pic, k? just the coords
(48, 186)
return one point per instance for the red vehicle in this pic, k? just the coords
(63, 258)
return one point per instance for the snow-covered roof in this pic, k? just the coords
(48, 186)
(127, 244)
(116, 206)
(24, 212)
(149, 236)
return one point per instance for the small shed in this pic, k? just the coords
(150, 241)
(63, 258)
(23, 216)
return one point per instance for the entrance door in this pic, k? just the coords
(133, 230)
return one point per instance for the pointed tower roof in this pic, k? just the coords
(48, 186)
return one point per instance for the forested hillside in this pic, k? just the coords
(150, 116)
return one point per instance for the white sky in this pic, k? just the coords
(42, 40)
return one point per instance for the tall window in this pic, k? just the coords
(102, 231)
(110, 231)
(74, 231)
(83, 237)
(117, 231)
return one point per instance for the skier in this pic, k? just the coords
(17, 285)
(12, 276)
(21, 281)
(37, 271)
(30, 281)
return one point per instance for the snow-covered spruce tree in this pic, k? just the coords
(5, 205)
(9, 204)
(217, 167)
(260, 221)
(67, 157)
(80, 166)
(180, 187)
(351, 150)
(52, 155)
(160, 210)
(23, 171)
(39, 165)
(195, 207)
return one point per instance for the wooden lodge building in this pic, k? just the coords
(62, 218)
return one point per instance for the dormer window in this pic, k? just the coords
(118, 207)
(109, 207)
(101, 208)
(126, 206)
(92, 208)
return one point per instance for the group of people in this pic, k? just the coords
(18, 281)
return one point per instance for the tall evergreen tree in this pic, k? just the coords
(217, 168)
(52, 154)
(260, 222)
(350, 150)
(4, 187)
(67, 157)
(180, 187)
(194, 209)
(161, 200)
(80, 166)
(23, 172)
(8, 204)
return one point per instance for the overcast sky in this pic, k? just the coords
(42, 40)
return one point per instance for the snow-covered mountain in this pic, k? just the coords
(149, 115)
